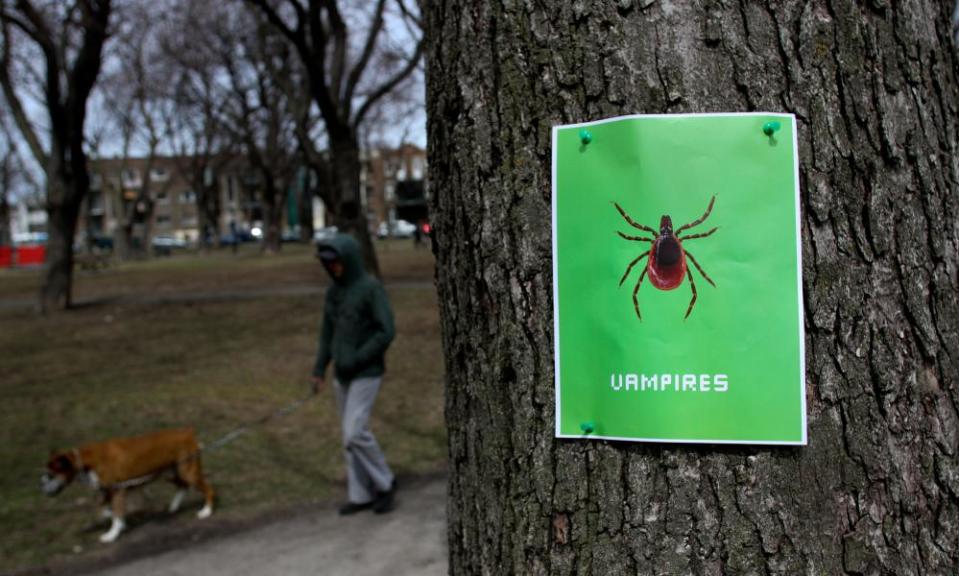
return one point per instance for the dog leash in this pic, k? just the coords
(218, 443)
(239, 430)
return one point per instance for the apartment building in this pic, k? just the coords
(116, 184)
(394, 184)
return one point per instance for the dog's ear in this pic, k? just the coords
(61, 463)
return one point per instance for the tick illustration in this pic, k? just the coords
(667, 257)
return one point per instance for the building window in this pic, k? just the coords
(163, 221)
(417, 168)
(159, 175)
(162, 197)
(187, 197)
(131, 177)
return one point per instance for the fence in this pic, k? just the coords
(23, 255)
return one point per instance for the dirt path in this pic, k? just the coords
(410, 540)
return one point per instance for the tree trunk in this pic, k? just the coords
(349, 215)
(207, 208)
(56, 291)
(123, 236)
(274, 201)
(6, 182)
(148, 228)
(304, 207)
(6, 234)
(874, 89)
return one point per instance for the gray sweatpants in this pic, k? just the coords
(366, 468)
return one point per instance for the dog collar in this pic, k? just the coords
(91, 476)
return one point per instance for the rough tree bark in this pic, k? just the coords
(874, 87)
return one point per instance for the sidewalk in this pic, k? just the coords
(410, 540)
(193, 297)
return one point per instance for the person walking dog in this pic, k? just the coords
(357, 329)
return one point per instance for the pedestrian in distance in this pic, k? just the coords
(234, 236)
(357, 329)
(418, 235)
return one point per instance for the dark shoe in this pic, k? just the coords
(353, 508)
(384, 500)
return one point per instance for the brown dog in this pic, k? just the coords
(114, 466)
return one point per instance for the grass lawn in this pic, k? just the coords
(122, 369)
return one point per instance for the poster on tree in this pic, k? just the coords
(677, 293)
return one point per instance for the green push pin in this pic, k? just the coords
(585, 136)
(770, 128)
(587, 427)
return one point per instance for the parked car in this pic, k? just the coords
(325, 233)
(168, 242)
(30, 238)
(399, 229)
(103, 243)
(165, 245)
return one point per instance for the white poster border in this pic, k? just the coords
(803, 441)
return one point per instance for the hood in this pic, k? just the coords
(349, 251)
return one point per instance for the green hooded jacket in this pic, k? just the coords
(357, 319)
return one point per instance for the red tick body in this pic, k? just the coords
(666, 264)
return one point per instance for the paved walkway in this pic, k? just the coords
(410, 540)
(200, 297)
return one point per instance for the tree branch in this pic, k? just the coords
(295, 35)
(339, 30)
(407, 13)
(368, 49)
(16, 107)
(34, 27)
(390, 84)
(86, 67)
(313, 53)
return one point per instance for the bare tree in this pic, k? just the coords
(261, 114)
(350, 66)
(135, 95)
(294, 85)
(9, 168)
(196, 119)
(69, 38)
(17, 182)
(874, 88)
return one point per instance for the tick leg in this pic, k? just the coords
(692, 285)
(630, 267)
(703, 235)
(639, 238)
(636, 292)
(698, 267)
(631, 222)
(700, 221)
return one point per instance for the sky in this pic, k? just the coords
(411, 128)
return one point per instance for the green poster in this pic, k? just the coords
(677, 299)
